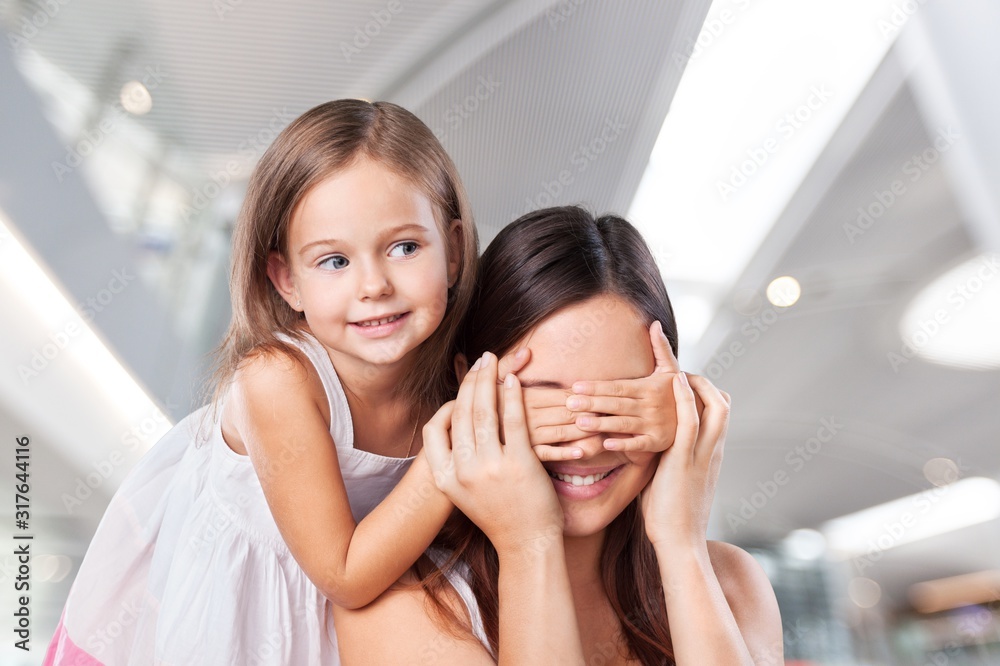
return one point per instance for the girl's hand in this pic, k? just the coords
(677, 501)
(641, 407)
(503, 488)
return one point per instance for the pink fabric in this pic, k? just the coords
(64, 652)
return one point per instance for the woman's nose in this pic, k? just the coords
(592, 445)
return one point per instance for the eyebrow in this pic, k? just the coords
(409, 226)
(542, 383)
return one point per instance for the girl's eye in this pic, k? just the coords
(407, 248)
(336, 262)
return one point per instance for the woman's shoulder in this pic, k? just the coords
(737, 570)
(751, 598)
(418, 628)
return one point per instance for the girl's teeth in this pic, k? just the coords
(377, 322)
(578, 480)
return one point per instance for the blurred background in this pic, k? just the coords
(817, 180)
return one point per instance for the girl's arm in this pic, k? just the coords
(277, 413)
(721, 606)
(505, 491)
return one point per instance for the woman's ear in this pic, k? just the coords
(280, 275)
(461, 366)
(455, 250)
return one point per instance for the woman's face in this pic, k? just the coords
(600, 339)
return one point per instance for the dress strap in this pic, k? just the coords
(458, 577)
(341, 423)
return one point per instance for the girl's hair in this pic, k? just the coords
(324, 140)
(539, 264)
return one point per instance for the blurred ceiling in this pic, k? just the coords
(514, 89)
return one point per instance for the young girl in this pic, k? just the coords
(353, 262)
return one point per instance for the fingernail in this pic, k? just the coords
(487, 357)
(479, 362)
(610, 444)
(578, 387)
(577, 453)
(684, 379)
(585, 422)
(508, 381)
(574, 403)
(660, 324)
(521, 353)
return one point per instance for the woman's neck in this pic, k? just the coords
(583, 560)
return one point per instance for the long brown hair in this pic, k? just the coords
(317, 144)
(537, 265)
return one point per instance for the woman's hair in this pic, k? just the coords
(321, 142)
(543, 262)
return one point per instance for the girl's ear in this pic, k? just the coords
(461, 366)
(454, 251)
(281, 277)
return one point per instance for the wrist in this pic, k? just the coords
(675, 548)
(530, 546)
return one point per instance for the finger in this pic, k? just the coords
(484, 413)
(547, 453)
(640, 443)
(539, 417)
(662, 352)
(555, 434)
(538, 398)
(513, 362)
(616, 388)
(714, 420)
(514, 423)
(633, 425)
(604, 404)
(437, 440)
(687, 416)
(463, 432)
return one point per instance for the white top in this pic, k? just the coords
(187, 565)
(458, 577)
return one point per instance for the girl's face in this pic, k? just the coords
(368, 261)
(600, 339)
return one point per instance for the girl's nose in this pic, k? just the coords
(374, 282)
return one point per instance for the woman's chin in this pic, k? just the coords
(582, 522)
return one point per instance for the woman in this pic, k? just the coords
(583, 561)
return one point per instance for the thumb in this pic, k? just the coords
(662, 353)
(512, 362)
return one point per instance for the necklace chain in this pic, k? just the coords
(413, 436)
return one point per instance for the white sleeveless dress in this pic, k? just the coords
(187, 565)
(458, 577)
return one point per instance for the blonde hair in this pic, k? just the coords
(317, 144)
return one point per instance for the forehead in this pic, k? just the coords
(598, 339)
(362, 197)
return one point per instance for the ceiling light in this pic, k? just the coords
(804, 544)
(784, 291)
(135, 98)
(71, 337)
(927, 514)
(954, 320)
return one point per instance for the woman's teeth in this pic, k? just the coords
(578, 480)
(376, 322)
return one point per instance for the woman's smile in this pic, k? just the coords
(574, 481)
